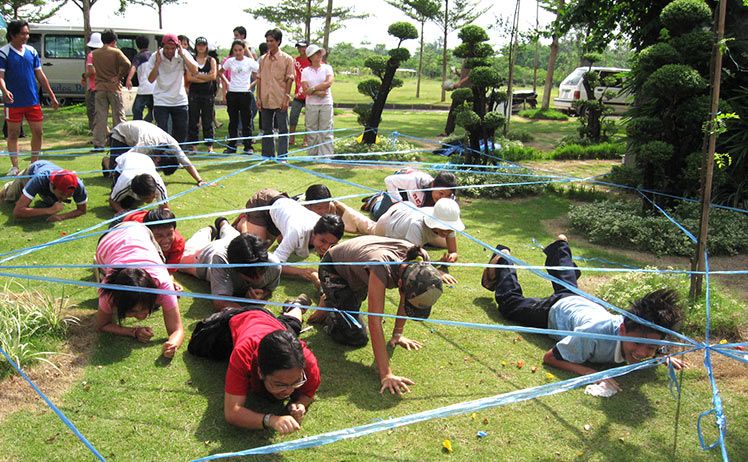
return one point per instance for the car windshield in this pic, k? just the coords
(573, 78)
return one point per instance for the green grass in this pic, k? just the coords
(550, 114)
(133, 405)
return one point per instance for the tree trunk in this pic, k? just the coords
(444, 52)
(420, 64)
(308, 21)
(372, 125)
(551, 64)
(328, 20)
(537, 49)
(86, 8)
(160, 16)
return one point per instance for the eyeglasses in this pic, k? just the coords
(282, 386)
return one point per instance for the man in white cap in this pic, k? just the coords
(89, 78)
(420, 226)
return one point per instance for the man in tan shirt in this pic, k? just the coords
(111, 67)
(274, 93)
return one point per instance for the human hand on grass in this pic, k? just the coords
(677, 363)
(297, 411)
(284, 424)
(448, 279)
(408, 344)
(612, 383)
(169, 349)
(395, 384)
(143, 334)
(449, 257)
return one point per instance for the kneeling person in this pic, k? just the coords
(232, 247)
(136, 180)
(53, 184)
(564, 310)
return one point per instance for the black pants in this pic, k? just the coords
(341, 325)
(533, 312)
(201, 109)
(238, 105)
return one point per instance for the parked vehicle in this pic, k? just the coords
(62, 50)
(571, 89)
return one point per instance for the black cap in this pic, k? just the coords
(302, 43)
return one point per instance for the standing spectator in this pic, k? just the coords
(301, 62)
(202, 93)
(89, 78)
(240, 33)
(238, 95)
(20, 68)
(170, 100)
(184, 42)
(274, 93)
(144, 98)
(263, 49)
(316, 81)
(111, 67)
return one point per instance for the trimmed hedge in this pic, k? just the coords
(539, 114)
(511, 189)
(383, 144)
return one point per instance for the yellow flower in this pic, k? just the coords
(447, 445)
(549, 376)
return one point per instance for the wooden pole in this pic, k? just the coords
(512, 57)
(708, 161)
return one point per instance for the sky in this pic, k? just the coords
(202, 17)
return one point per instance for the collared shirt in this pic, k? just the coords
(111, 66)
(40, 184)
(168, 89)
(20, 68)
(275, 72)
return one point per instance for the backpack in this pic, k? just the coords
(489, 278)
(211, 338)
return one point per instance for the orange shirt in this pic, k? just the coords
(276, 71)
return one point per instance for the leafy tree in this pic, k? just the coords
(85, 7)
(30, 10)
(558, 28)
(157, 5)
(378, 88)
(481, 120)
(291, 17)
(421, 11)
(460, 13)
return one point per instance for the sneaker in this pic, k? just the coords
(303, 301)
(13, 171)
(249, 151)
(219, 222)
(229, 151)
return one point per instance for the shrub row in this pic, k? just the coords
(548, 114)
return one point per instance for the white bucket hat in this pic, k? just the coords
(95, 41)
(446, 214)
(311, 49)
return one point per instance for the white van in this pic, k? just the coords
(62, 50)
(572, 89)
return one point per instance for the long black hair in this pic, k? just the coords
(280, 350)
(125, 300)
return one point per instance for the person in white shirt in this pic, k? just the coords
(303, 230)
(414, 186)
(316, 81)
(136, 180)
(170, 101)
(239, 96)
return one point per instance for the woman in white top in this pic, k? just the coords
(316, 81)
(238, 96)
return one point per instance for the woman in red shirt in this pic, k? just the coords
(270, 361)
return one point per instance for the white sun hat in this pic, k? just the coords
(95, 41)
(311, 49)
(446, 215)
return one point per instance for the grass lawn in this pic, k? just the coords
(132, 405)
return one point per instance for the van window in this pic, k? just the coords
(574, 78)
(64, 47)
(611, 79)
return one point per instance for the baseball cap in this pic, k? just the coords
(445, 215)
(302, 43)
(170, 38)
(64, 180)
(422, 287)
(95, 40)
(201, 41)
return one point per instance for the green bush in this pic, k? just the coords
(514, 152)
(695, 48)
(624, 175)
(403, 30)
(674, 81)
(650, 59)
(548, 114)
(473, 34)
(383, 144)
(593, 151)
(683, 16)
(644, 129)
(520, 135)
(727, 315)
(622, 224)
(31, 324)
(511, 189)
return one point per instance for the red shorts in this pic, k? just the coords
(16, 114)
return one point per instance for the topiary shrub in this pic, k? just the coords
(650, 59)
(695, 48)
(674, 82)
(683, 16)
(509, 189)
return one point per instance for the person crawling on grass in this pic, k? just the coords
(564, 310)
(132, 243)
(299, 229)
(407, 185)
(354, 221)
(345, 287)
(164, 231)
(54, 185)
(136, 181)
(269, 361)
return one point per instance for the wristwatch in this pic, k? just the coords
(266, 421)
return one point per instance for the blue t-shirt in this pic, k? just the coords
(39, 184)
(20, 77)
(578, 314)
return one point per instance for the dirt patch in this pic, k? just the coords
(18, 395)
(737, 285)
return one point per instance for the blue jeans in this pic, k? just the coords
(279, 119)
(179, 116)
(141, 102)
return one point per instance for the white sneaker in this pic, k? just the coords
(13, 171)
